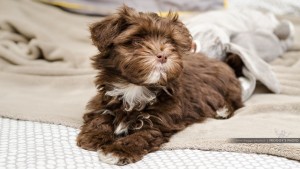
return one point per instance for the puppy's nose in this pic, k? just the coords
(162, 58)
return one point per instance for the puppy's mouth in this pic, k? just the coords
(160, 69)
(158, 74)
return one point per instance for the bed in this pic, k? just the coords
(27, 144)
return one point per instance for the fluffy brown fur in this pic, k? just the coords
(143, 100)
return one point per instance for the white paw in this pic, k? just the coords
(222, 113)
(108, 158)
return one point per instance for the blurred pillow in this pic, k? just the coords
(106, 7)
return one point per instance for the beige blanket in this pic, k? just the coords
(46, 76)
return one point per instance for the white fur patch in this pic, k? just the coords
(223, 112)
(157, 74)
(122, 128)
(108, 158)
(153, 77)
(133, 96)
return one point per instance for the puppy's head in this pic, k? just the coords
(144, 48)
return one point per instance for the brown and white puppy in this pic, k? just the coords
(150, 86)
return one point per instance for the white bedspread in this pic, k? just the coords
(26, 144)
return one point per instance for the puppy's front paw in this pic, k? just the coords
(124, 151)
(109, 158)
(93, 140)
(116, 156)
(95, 133)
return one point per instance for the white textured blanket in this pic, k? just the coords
(40, 145)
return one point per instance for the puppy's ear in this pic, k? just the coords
(102, 33)
(181, 35)
(128, 13)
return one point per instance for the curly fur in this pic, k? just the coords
(141, 102)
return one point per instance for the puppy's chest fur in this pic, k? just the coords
(132, 96)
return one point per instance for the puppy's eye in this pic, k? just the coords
(129, 42)
(171, 41)
(133, 41)
(173, 49)
(136, 41)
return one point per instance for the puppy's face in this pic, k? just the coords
(146, 49)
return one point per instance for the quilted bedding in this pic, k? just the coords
(26, 144)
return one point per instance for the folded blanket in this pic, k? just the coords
(44, 61)
(36, 36)
(45, 76)
(255, 37)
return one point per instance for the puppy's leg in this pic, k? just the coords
(215, 106)
(219, 108)
(96, 131)
(132, 148)
(224, 112)
(222, 103)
